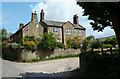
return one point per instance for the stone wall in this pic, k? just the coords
(25, 54)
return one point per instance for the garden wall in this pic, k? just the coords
(25, 54)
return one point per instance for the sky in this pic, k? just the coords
(14, 13)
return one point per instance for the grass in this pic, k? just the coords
(38, 60)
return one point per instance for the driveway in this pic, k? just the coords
(51, 68)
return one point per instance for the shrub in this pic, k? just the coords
(66, 47)
(5, 45)
(48, 41)
(95, 44)
(74, 43)
(111, 41)
(15, 45)
(59, 45)
(29, 44)
(106, 45)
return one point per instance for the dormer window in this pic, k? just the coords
(55, 30)
(79, 32)
(69, 31)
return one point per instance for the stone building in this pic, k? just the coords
(61, 30)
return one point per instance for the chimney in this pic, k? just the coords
(34, 16)
(75, 19)
(42, 15)
(21, 25)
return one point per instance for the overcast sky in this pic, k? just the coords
(57, 10)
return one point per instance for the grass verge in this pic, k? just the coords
(38, 60)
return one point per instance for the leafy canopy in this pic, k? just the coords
(101, 13)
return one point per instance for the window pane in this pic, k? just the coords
(69, 31)
(55, 30)
(79, 32)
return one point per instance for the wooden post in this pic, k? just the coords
(102, 51)
(92, 49)
(111, 51)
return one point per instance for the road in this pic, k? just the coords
(51, 68)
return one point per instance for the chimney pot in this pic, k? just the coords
(42, 15)
(34, 16)
(21, 25)
(75, 19)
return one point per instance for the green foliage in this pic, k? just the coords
(90, 38)
(3, 38)
(74, 42)
(106, 45)
(111, 41)
(101, 13)
(66, 47)
(95, 44)
(88, 43)
(3, 33)
(5, 45)
(29, 44)
(59, 45)
(29, 38)
(16, 45)
(57, 57)
(48, 41)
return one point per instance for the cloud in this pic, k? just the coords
(63, 10)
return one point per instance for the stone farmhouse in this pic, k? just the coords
(61, 30)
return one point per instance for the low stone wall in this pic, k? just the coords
(25, 54)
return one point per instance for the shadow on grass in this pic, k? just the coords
(68, 74)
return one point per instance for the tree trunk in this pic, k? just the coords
(116, 27)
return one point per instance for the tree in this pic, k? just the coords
(3, 31)
(87, 43)
(48, 41)
(103, 14)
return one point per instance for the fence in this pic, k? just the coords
(103, 51)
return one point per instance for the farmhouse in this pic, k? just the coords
(61, 30)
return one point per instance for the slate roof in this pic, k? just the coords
(60, 24)
(54, 23)
(77, 26)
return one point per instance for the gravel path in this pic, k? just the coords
(60, 67)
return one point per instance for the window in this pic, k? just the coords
(55, 30)
(69, 31)
(79, 32)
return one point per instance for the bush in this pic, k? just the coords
(73, 43)
(95, 44)
(29, 44)
(15, 45)
(111, 41)
(48, 41)
(59, 45)
(66, 47)
(5, 45)
(106, 45)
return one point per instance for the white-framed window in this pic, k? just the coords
(55, 30)
(69, 31)
(79, 32)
